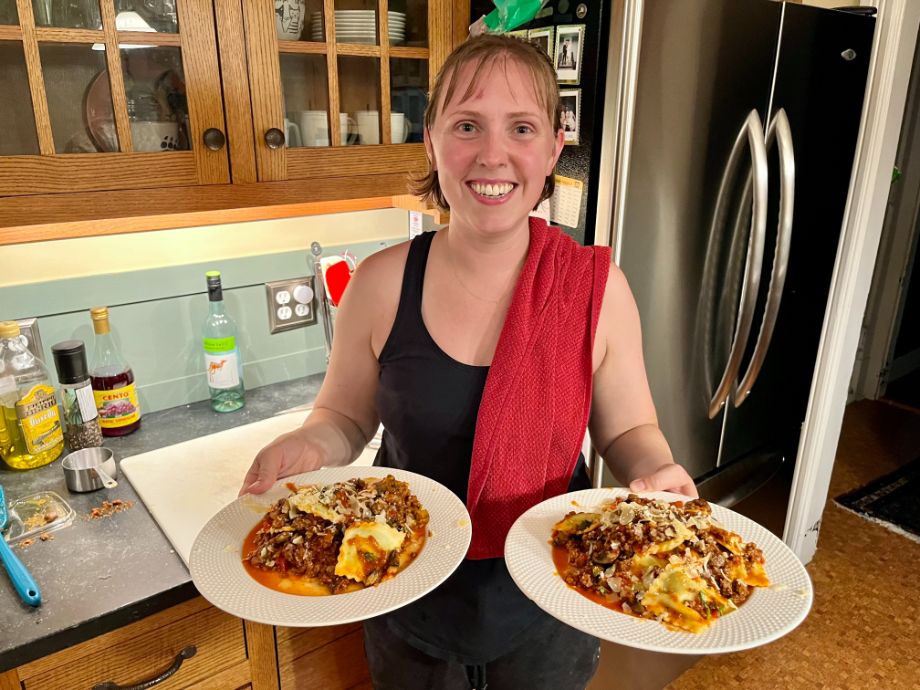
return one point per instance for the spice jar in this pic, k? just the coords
(81, 419)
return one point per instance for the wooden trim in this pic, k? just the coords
(116, 77)
(407, 53)
(237, 97)
(81, 172)
(301, 47)
(322, 162)
(440, 35)
(357, 50)
(332, 69)
(263, 657)
(36, 78)
(383, 34)
(203, 87)
(265, 86)
(149, 38)
(461, 21)
(53, 34)
(10, 33)
(9, 680)
(60, 216)
(237, 676)
(410, 202)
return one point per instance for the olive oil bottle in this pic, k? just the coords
(30, 422)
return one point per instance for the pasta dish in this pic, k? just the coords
(670, 562)
(337, 538)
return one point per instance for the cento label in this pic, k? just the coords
(39, 419)
(117, 407)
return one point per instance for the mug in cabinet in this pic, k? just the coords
(399, 128)
(289, 16)
(314, 127)
(292, 133)
(155, 136)
(368, 126)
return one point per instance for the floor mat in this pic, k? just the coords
(892, 500)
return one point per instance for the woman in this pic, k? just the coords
(496, 325)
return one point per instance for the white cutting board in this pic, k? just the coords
(185, 485)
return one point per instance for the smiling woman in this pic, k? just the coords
(485, 349)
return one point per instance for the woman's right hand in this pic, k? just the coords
(291, 453)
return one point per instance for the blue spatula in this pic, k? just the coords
(23, 581)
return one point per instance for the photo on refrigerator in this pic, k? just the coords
(570, 114)
(569, 42)
(543, 39)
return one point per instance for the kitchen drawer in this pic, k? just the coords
(330, 658)
(143, 650)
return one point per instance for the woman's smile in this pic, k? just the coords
(491, 192)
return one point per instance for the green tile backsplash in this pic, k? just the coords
(156, 315)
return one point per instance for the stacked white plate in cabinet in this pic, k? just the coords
(359, 26)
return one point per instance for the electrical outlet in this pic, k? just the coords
(290, 304)
(29, 328)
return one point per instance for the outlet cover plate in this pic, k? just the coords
(291, 304)
(29, 328)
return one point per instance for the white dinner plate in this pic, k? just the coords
(217, 567)
(767, 615)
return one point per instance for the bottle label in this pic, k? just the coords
(223, 369)
(117, 407)
(40, 419)
(86, 402)
(219, 346)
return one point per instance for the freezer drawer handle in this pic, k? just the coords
(186, 653)
(781, 131)
(752, 131)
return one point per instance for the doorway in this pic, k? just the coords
(890, 367)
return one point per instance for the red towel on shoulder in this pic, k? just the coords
(537, 399)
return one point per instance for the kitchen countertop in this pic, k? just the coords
(100, 574)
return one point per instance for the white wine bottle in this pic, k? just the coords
(223, 365)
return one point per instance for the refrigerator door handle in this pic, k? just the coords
(782, 132)
(752, 132)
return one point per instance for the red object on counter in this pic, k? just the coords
(337, 277)
(537, 399)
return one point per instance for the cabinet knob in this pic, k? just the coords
(274, 138)
(214, 139)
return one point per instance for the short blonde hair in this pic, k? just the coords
(483, 51)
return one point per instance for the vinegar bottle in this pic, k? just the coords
(30, 422)
(112, 381)
(223, 366)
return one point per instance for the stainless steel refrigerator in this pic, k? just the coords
(744, 116)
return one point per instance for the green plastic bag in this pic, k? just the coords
(507, 16)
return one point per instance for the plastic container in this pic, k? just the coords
(37, 514)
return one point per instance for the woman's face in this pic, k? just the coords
(494, 150)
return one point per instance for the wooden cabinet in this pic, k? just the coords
(129, 109)
(228, 654)
(109, 102)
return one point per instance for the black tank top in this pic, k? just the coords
(428, 404)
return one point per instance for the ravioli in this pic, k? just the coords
(669, 562)
(337, 537)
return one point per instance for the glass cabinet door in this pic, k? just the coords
(113, 81)
(339, 87)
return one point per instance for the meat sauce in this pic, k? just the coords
(307, 586)
(561, 561)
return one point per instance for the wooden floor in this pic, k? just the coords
(864, 628)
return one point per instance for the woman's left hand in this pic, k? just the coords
(670, 477)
